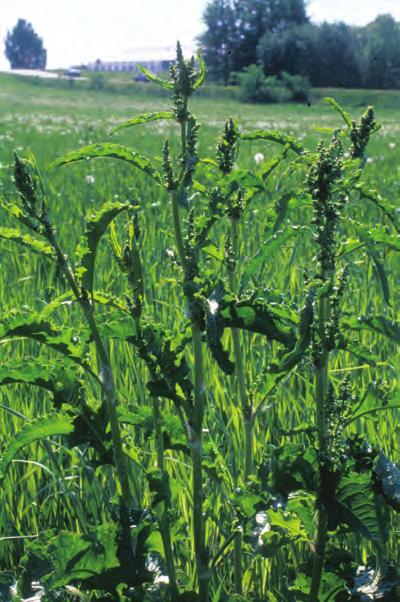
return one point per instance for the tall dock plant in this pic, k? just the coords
(290, 496)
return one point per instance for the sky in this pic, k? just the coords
(80, 31)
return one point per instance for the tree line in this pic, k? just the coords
(278, 36)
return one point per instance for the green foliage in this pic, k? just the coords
(34, 431)
(216, 401)
(254, 86)
(24, 49)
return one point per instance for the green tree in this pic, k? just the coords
(380, 58)
(335, 59)
(235, 27)
(292, 50)
(218, 41)
(255, 17)
(24, 49)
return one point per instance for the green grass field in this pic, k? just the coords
(56, 487)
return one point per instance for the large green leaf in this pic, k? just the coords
(201, 73)
(100, 559)
(145, 118)
(345, 116)
(275, 136)
(354, 505)
(167, 85)
(61, 380)
(110, 151)
(380, 324)
(35, 245)
(28, 325)
(37, 430)
(96, 226)
(387, 208)
(214, 332)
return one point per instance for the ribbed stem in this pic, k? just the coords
(196, 426)
(164, 520)
(247, 410)
(321, 387)
(106, 375)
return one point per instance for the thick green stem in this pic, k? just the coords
(135, 277)
(106, 375)
(321, 386)
(196, 446)
(196, 426)
(247, 410)
(164, 520)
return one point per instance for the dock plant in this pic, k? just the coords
(201, 491)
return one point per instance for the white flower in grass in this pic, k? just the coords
(258, 157)
(392, 145)
(89, 179)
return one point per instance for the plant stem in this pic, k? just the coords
(196, 426)
(247, 411)
(106, 374)
(164, 520)
(321, 386)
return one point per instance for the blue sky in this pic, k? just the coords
(76, 31)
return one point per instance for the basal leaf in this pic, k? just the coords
(37, 430)
(275, 136)
(110, 151)
(354, 505)
(145, 118)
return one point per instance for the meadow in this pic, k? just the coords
(259, 530)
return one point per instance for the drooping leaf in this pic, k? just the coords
(94, 559)
(201, 73)
(110, 151)
(96, 226)
(34, 244)
(254, 316)
(37, 430)
(167, 85)
(384, 205)
(353, 504)
(380, 324)
(214, 332)
(294, 469)
(371, 237)
(145, 118)
(345, 116)
(29, 325)
(275, 136)
(296, 354)
(60, 379)
(169, 371)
